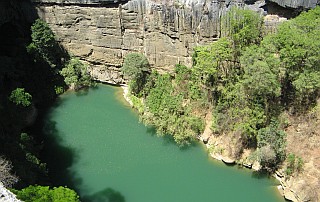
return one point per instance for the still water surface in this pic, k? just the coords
(97, 146)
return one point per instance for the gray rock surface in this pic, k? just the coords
(166, 31)
(297, 3)
(166, 34)
(77, 1)
(6, 195)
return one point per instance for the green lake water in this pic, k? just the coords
(96, 145)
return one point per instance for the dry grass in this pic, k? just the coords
(303, 139)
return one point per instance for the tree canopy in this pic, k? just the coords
(136, 68)
(20, 97)
(245, 78)
(76, 74)
(45, 193)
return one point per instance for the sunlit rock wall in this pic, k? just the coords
(102, 32)
(165, 32)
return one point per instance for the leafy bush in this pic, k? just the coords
(275, 139)
(20, 97)
(243, 26)
(136, 68)
(166, 109)
(294, 164)
(44, 193)
(75, 74)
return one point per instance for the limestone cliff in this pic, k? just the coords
(165, 33)
(6, 195)
(102, 32)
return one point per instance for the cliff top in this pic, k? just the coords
(78, 1)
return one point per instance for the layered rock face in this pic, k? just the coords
(165, 33)
(102, 32)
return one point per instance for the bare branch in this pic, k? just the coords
(7, 179)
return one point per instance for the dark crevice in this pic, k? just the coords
(274, 9)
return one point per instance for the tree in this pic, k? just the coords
(211, 64)
(44, 45)
(275, 139)
(6, 177)
(167, 111)
(136, 68)
(75, 74)
(45, 193)
(261, 76)
(20, 97)
(266, 156)
(243, 26)
(297, 45)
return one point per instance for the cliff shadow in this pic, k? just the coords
(169, 140)
(106, 195)
(59, 158)
(261, 174)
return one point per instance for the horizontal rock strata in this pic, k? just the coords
(166, 34)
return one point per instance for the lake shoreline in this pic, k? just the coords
(208, 140)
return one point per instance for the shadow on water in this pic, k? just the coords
(260, 174)
(106, 195)
(61, 158)
(58, 157)
(151, 131)
(169, 140)
(82, 92)
(85, 90)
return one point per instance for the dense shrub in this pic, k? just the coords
(76, 74)
(44, 193)
(20, 97)
(136, 68)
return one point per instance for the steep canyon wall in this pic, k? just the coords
(102, 35)
(102, 32)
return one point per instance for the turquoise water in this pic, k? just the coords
(97, 146)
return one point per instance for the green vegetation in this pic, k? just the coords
(44, 45)
(45, 48)
(169, 107)
(246, 79)
(20, 97)
(44, 193)
(271, 144)
(294, 164)
(28, 76)
(75, 74)
(136, 68)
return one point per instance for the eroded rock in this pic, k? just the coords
(6, 195)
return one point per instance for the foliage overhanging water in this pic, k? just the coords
(96, 145)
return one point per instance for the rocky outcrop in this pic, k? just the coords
(6, 195)
(305, 4)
